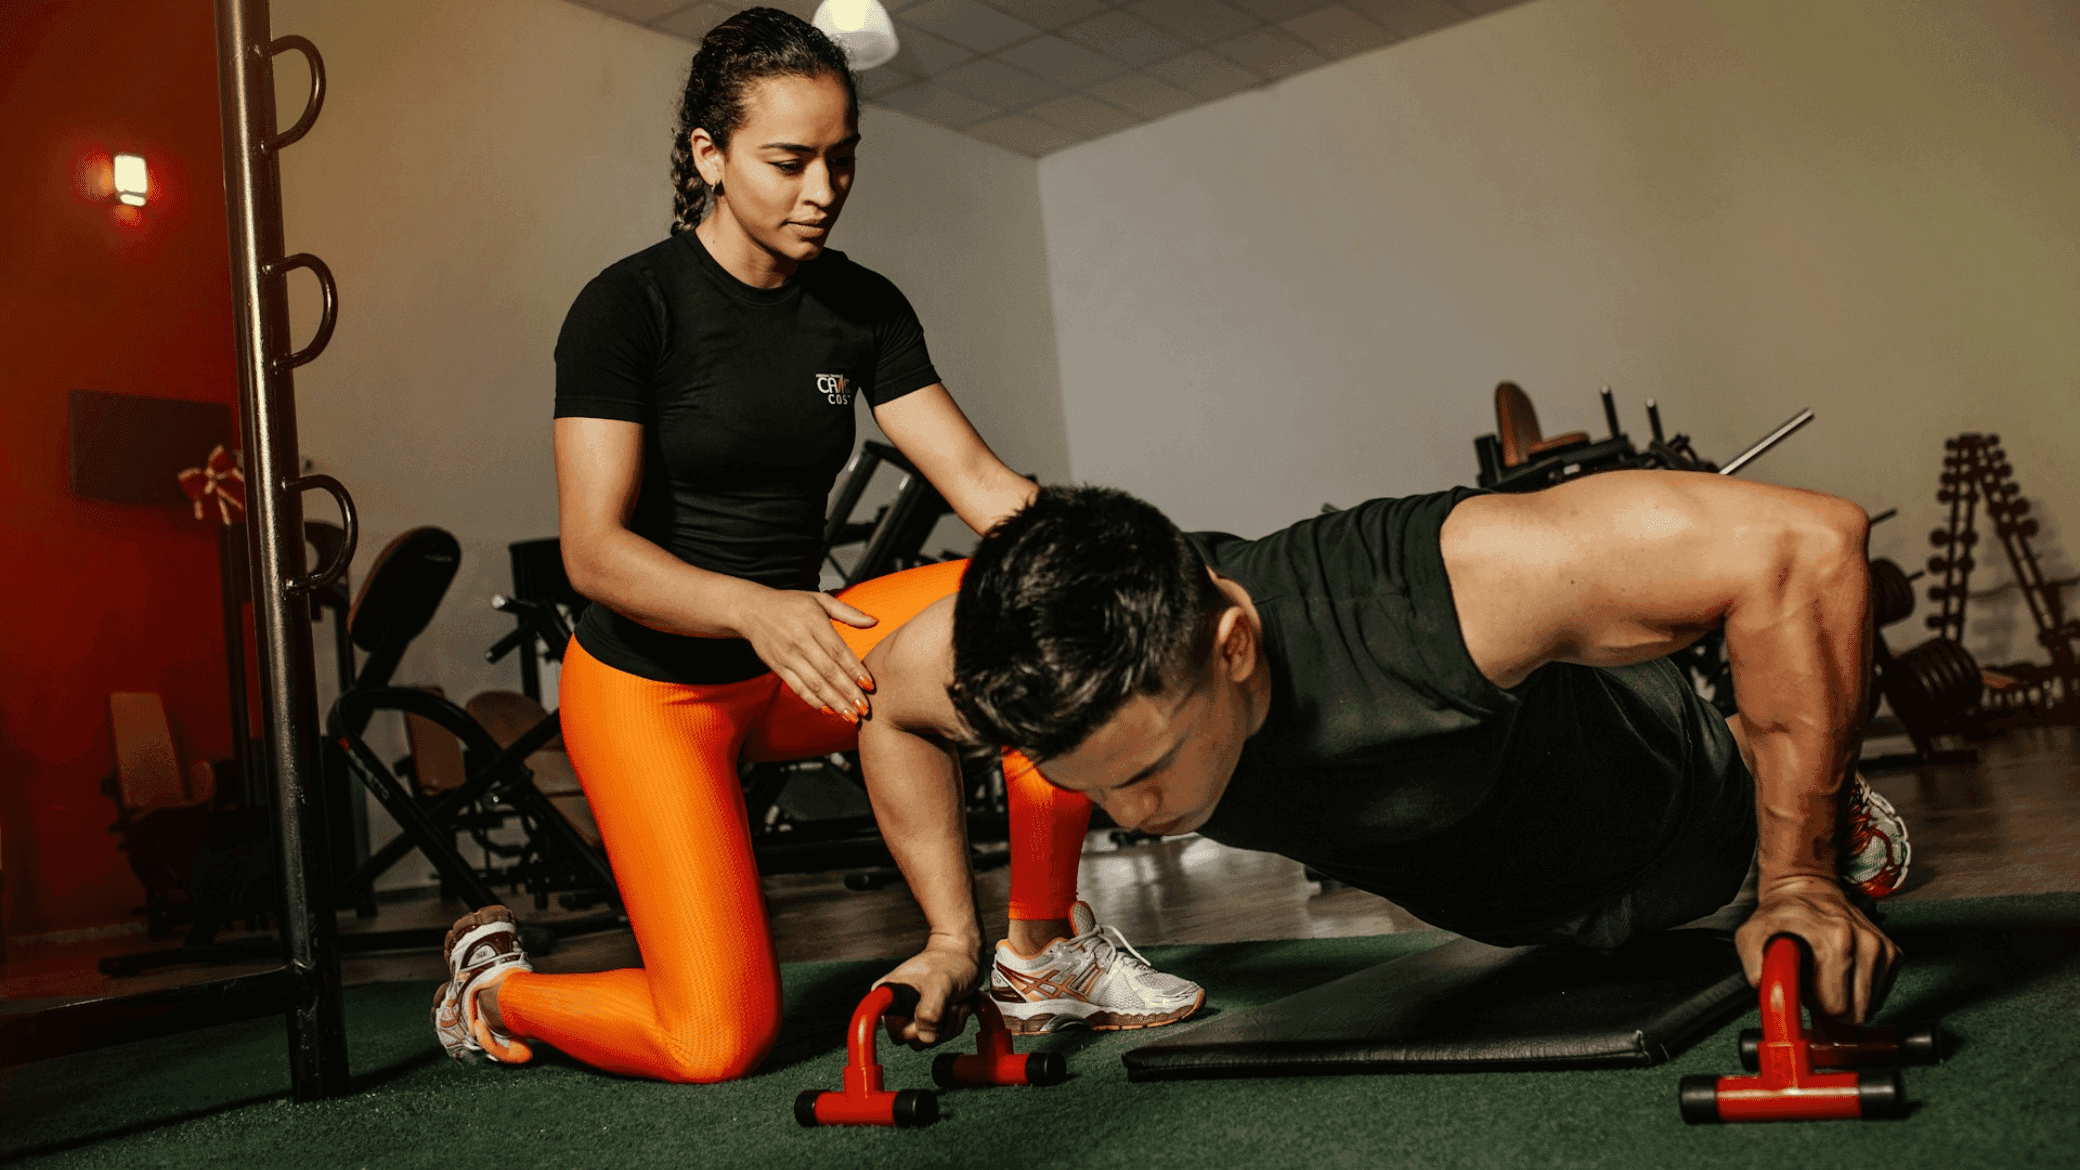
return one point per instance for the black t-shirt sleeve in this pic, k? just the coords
(607, 354)
(1410, 534)
(902, 364)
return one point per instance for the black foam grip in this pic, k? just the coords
(1751, 1048)
(1881, 1094)
(916, 1108)
(1920, 1044)
(1698, 1096)
(1046, 1068)
(905, 1001)
(942, 1071)
(805, 1107)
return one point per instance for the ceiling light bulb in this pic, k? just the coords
(861, 28)
(849, 15)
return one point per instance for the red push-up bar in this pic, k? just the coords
(1786, 1055)
(993, 1062)
(864, 1100)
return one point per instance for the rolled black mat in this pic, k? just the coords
(1466, 1006)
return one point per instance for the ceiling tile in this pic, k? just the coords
(1127, 37)
(923, 54)
(1201, 22)
(969, 24)
(640, 11)
(1410, 17)
(900, 5)
(1144, 95)
(1337, 32)
(1204, 75)
(1027, 136)
(1001, 85)
(936, 103)
(692, 21)
(877, 81)
(1483, 7)
(1270, 53)
(1083, 117)
(1064, 64)
(1049, 15)
(1278, 10)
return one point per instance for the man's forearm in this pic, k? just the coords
(1801, 653)
(915, 787)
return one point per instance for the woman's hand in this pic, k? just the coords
(790, 630)
(946, 974)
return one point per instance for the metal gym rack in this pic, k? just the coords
(306, 987)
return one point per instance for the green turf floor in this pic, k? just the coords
(2003, 974)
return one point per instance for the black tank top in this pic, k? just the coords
(1390, 762)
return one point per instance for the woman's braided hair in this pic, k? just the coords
(755, 44)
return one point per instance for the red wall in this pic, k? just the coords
(99, 597)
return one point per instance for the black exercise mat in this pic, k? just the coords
(1469, 1006)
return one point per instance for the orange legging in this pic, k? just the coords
(658, 762)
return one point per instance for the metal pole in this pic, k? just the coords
(1766, 442)
(252, 188)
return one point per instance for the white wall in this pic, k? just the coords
(478, 161)
(1741, 207)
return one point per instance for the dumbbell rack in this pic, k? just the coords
(1954, 541)
(2039, 690)
(1936, 688)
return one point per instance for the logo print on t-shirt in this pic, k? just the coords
(835, 388)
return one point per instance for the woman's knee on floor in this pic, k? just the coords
(718, 1048)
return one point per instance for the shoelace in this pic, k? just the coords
(1111, 936)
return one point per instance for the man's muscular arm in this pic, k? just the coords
(1633, 565)
(914, 781)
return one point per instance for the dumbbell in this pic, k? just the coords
(864, 1101)
(993, 1062)
(1787, 1086)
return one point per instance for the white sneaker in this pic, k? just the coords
(483, 947)
(1876, 854)
(1094, 980)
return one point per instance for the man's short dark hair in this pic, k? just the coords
(1071, 606)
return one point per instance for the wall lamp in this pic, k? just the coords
(131, 181)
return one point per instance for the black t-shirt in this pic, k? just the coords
(745, 397)
(1390, 762)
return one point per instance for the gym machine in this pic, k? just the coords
(894, 539)
(1518, 458)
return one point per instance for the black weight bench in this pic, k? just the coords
(1466, 1006)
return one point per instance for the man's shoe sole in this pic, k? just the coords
(1053, 1015)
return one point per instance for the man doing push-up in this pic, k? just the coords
(1459, 701)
